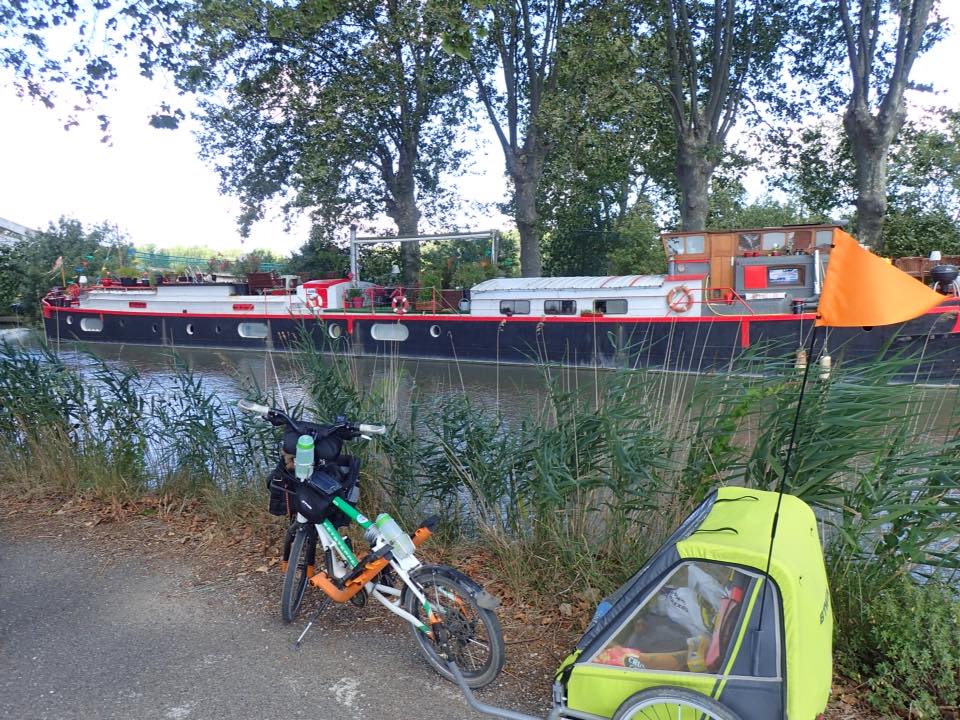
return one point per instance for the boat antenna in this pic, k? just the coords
(780, 490)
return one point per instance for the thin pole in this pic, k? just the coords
(783, 478)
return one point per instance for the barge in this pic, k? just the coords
(727, 296)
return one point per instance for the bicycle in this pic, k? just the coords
(452, 617)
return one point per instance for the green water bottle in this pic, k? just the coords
(304, 459)
(394, 535)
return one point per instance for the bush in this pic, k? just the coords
(901, 639)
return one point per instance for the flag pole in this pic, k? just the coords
(783, 482)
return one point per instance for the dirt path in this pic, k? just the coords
(108, 622)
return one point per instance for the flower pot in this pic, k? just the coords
(356, 302)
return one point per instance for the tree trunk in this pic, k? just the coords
(525, 201)
(402, 209)
(870, 141)
(526, 172)
(694, 170)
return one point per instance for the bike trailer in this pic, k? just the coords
(690, 619)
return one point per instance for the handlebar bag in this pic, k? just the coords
(325, 447)
(315, 495)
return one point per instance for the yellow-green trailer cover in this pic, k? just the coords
(797, 569)
(731, 527)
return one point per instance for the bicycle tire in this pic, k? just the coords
(302, 550)
(470, 626)
(673, 702)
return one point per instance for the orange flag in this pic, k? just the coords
(863, 290)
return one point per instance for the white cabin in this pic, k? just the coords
(628, 295)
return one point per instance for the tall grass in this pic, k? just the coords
(98, 428)
(587, 482)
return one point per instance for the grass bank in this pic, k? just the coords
(569, 497)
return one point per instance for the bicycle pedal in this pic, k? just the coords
(360, 599)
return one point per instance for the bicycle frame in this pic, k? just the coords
(345, 562)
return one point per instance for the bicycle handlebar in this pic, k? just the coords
(344, 429)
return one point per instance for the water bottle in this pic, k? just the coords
(304, 460)
(400, 542)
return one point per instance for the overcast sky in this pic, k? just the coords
(153, 185)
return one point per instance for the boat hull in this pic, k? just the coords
(679, 344)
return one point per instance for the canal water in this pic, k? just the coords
(516, 391)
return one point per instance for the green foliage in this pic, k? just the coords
(729, 209)
(349, 111)
(26, 267)
(320, 256)
(915, 232)
(898, 638)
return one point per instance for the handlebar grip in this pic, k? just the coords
(366, 429)
(252, 407)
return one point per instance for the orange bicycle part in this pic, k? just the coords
(322, 580)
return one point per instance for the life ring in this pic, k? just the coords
(314, 301)
(400, 304)
(73, 290)
(680, 299)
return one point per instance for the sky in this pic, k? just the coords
(153, 186)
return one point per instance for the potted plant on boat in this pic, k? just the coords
(354, 298)
(128, 276)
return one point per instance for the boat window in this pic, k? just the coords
(514, 307)
(789, 276)
(774, 241)
(824, 238)
(799, 240)
(559, 307)
(696, 245)
(688, 624)
(389, 332)
(675, 245)
(91, 324)
(610, 307)
(255, 331)
(748, 242)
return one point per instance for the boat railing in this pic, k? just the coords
(402, 300)
(726, 296)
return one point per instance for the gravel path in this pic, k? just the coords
(89, 630)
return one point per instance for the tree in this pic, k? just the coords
(516, 39)
(713, 61)
(51, 46)
(349, 110)
(26, 268)
(877, 43)
(609, 142)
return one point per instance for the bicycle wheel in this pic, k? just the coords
(475, 638)
(673, 703)
(302, 552)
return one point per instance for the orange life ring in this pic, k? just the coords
(314, 301)
(680, 299)
(400, 304)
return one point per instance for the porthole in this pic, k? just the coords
(156, 328)
(218, 330)
(190, 329)
(334, 331)
(122, 323)
(390, 332)
(434, 331)
(91, 325)
(69, 319)
(254, 331)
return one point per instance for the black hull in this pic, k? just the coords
(685, 344)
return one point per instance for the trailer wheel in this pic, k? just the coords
(672, 702)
